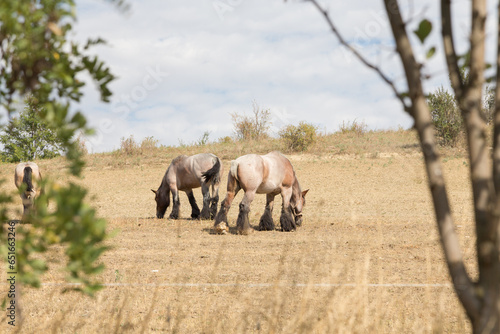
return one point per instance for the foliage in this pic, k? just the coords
(479, 295)
(225, 140)
(149, 143)
(446, 116)
(82, 233)
(81, 144)
(252, 128)
(298, 137)
(203, 139)
(38, 58)
(129, 146)
(489, 104)
(355, 127)
(28, 137)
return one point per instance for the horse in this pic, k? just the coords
(270, 174)
(184, 174)
(27, 178)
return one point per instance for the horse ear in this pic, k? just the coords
(153, 191)
(305, 192)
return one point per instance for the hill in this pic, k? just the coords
(367, 258)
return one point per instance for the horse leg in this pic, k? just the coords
(286, 219)
(214, 200)
(220, 223)
(27, 206)
(205, 214)
(266, 221)
(195, 210)
(243, 222)
(176, 203)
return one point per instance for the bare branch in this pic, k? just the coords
(496, 120)
(449, 49)
(358, 55)
(423, 123)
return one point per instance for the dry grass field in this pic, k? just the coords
(366, 260)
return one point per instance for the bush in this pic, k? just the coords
(204, 139)
(225, 140)
(81, 144)
(149, 143)
(252, 128)
(358, 128)
(446, 116)
(128, 145)
(300, 137)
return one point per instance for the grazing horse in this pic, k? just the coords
(184, 174)
(28, 175)
(270, 174)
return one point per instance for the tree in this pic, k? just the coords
(446, 116)
(38, 58)
(248, 128)
(29, 137)
(480, 298)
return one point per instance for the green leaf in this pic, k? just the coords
(424, 29)
(47, 128)
(430, 52)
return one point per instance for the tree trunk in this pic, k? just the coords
(480, 300)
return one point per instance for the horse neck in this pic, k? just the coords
(296, 191)
(164, 187)
(164, 191)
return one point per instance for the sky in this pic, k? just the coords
(184, 66)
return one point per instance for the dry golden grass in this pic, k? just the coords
(369, 227)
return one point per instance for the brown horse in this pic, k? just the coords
(270, 174)
(184, 174)
(27, 177)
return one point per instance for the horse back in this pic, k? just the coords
(263, 174)
(186, 172)
(27, 172)
(280, 169)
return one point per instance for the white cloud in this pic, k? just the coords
(282, 55)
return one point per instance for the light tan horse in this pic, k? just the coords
(270, 174)
(184, 174)
(27, 174)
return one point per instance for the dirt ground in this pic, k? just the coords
(367, 258)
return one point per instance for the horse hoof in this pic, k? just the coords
(221, 228)
(246, 231)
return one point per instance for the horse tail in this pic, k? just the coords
(213, 174)
(234, 169)
(27, 178)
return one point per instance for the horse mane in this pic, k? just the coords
(296, 190)
(27, 178)
(164, 183)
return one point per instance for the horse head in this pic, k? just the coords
(162, 199)
(297, 203)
